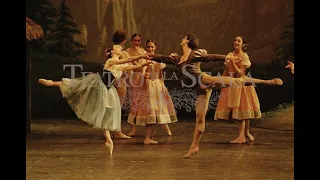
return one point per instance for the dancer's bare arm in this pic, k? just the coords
(165, 59)
(137, 66)
(126, 60)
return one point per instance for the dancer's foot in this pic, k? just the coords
(250, 137)
(46, 82)
(120, 135)
(150, 141)
(110, 147)
(191, 152)
(132, 133)
(169, 132)
(167, 129)
(239, 140)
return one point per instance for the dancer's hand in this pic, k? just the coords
(235, 59)
(150, 55)
(145, 56)
(290, 66)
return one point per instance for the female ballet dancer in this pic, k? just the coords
(93, 98)
(241, 103)
(153, 105)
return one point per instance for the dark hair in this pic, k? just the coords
(119, 36)
(244, 43)
(193, 41)
(135, 34)
(150, 40)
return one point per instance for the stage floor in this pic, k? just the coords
(71, 150)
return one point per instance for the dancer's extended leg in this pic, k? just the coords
(225, 81)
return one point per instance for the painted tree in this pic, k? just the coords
(62, 42)
(285, 49)
(43, 13)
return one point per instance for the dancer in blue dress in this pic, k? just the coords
(93, 98)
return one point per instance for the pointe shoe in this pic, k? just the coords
(191, 152)
(110, 148)
(45, 82)
(250, 137)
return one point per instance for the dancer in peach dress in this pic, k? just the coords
(238, 102)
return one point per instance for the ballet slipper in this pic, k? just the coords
(238, 141)
(149, 141)
(167, 129)
(250, 137)
(191, 152)
(121, 136)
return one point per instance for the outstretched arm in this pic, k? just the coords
(137, 66)
(126, 60)
(165, 59)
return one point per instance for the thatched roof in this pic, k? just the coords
(33, 30)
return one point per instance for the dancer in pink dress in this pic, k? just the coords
(152, 104)
(241, 102)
